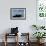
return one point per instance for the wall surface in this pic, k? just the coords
(24, 25)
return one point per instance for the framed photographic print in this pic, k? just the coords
(17, 13)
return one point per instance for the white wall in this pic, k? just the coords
(24, 25)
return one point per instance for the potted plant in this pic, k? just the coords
(39, 35)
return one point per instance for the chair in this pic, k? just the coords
(14, 32)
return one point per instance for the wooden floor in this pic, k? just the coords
(13, 44)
